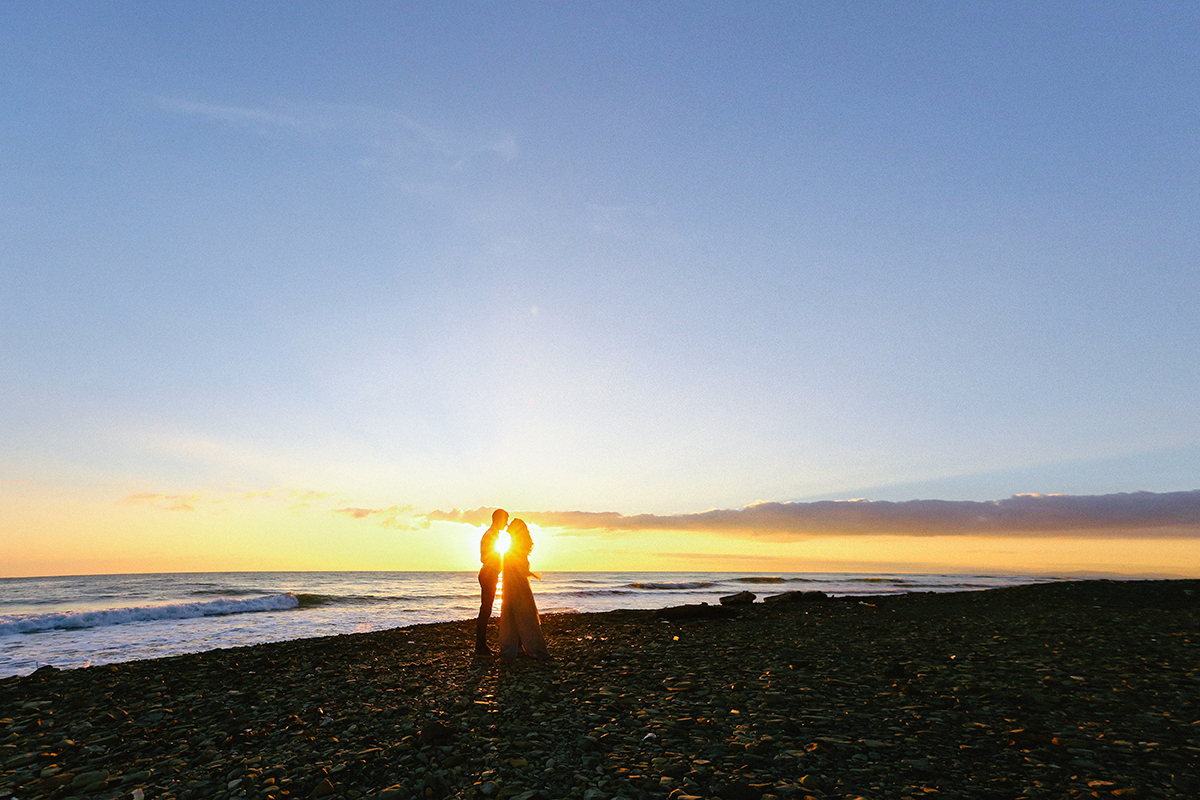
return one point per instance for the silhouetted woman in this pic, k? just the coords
(520, 629)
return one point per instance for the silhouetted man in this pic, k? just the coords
(488, 573)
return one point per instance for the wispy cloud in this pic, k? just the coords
(476, 516)
(166, 502)
(505, 147)
(403, 518)
(1136, 514)
(395, 517)
(389, 135)
(305, 499)
(236, 114)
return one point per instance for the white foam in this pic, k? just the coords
(671, 586)
(33, 623)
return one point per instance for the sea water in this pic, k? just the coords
(76, 621)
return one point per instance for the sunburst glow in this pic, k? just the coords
(502, 542)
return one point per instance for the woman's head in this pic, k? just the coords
(519, 531)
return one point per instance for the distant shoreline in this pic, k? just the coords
(1055, 575)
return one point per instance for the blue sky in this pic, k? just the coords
(600, 257)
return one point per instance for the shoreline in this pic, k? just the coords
(1041, 690)
(98, 620)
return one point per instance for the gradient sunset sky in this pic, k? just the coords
(315, 285)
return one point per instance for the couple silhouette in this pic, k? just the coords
(520, 628)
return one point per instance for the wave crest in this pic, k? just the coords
(118, 616)
(668, 586)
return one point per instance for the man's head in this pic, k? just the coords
(499, 518)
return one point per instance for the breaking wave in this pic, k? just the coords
(74, 620)
(670, 586)
(762, 579)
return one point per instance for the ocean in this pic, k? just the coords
(77, 621)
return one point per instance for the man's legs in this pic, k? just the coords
(487, 596)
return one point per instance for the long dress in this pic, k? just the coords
(520, 629)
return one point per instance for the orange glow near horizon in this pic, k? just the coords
(48, 532)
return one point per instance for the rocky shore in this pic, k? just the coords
(1065, 690)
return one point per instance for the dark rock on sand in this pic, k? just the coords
(739, 790)
(794, 597)
(435, 732)
(694, 611)
(741, 598)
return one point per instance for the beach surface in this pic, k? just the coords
(1059, 690)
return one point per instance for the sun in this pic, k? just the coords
(502, 542)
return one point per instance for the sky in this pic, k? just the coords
(768, 286)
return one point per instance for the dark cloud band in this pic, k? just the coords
(1137, 514)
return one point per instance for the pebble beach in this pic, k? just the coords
(1059, 690)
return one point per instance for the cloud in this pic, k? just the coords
(505, 147)
(390, 136)
(401, 518)
(395, 517)
(304, 499)
(1140, 514)
(295, 500)
(167, 502)
(223, 113)
(1146, 515)
(478, 516)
